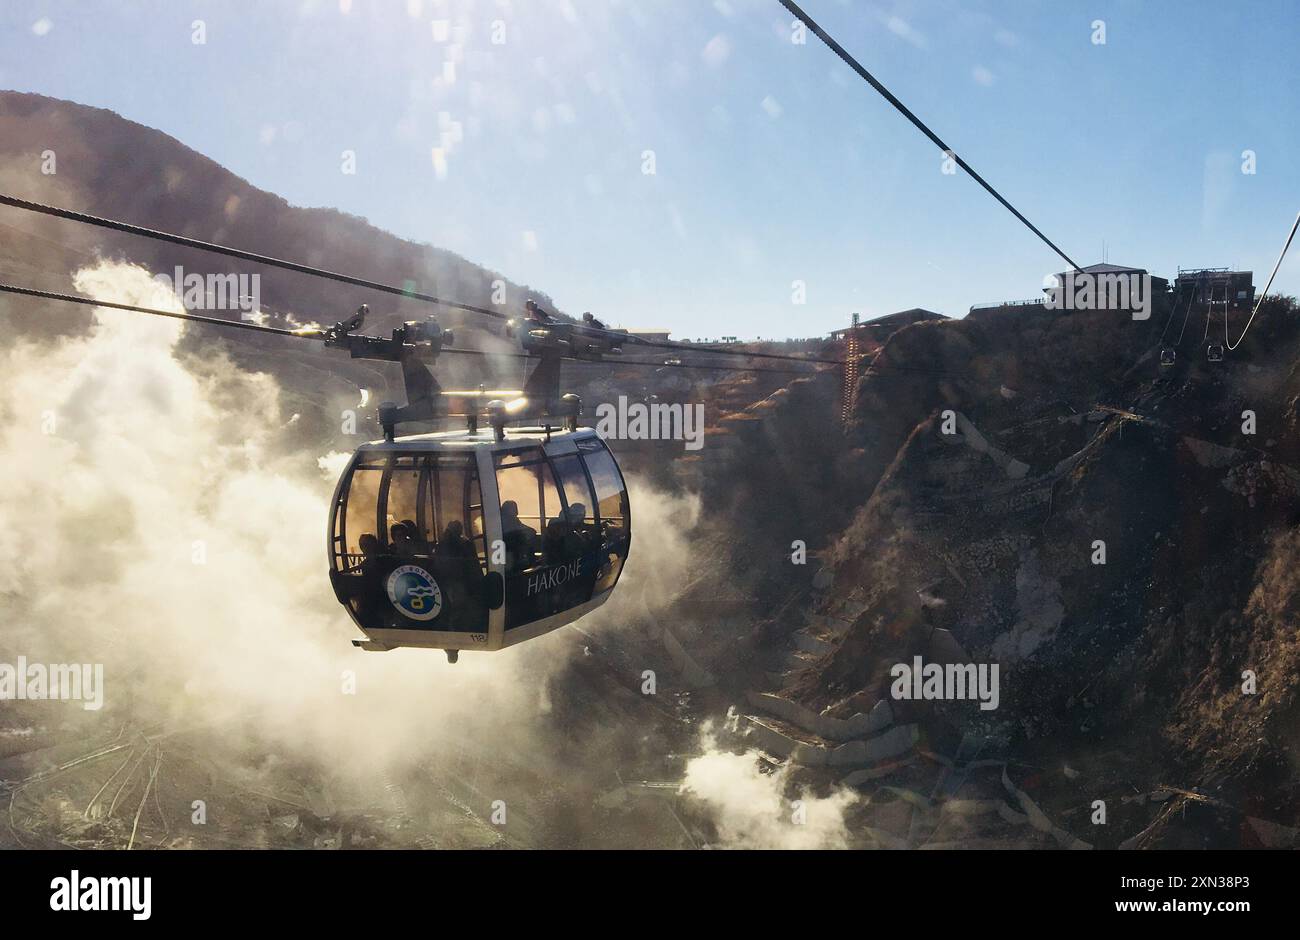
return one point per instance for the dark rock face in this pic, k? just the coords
(1119, 539)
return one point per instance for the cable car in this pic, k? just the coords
(1214, 352)
(1167, 356)
(461, 541)
(476, 539)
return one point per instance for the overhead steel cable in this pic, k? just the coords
(1196, 292)
(707, 350)
(187, 242)
(215, 321)
(1173, 314)
(920, 125)
(316, 333)
(811, 360)
(698, 366)
(1230, 344)
(239, 253)
(690, 348)
(1209, 316)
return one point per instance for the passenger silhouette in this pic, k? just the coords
(555, 541)
(405, 539)
(459, 562)
(369, 546)
(579, 538)
(453, 543)
(399, 539)
(519, 538)
(365, 596)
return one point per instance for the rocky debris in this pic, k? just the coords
(1039, 611)
(692, 673)
(944, 648)
(1256, 481)
(1209, 454)
(786, 741)
(972, 438)
(832, 729)
(806, 642)
(1038, 819)
(884, 770)
(1274, 836)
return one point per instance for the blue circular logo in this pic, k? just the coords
(414, 592)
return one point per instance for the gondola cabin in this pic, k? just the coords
(477, 540)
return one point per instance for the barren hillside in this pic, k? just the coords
(1118, 539)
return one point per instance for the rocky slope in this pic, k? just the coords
(1118, 539)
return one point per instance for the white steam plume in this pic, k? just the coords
(154, 522)
(753, 810)
(154, 519)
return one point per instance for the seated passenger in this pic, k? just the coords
(399, 539)
(453, 543)
(367, 590)
(555, 541)
(460, 558)
(418, 544)
(369, 545)
(519, 538)
(371, 549)
(579, 541)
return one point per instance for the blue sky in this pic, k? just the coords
(773, 162)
